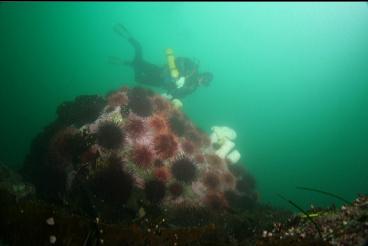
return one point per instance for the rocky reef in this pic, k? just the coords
(131, 168)
(129, 152)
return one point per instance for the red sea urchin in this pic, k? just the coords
(142, 156)
(199, 158)
(211, 180)
(216, 201)
(110, 135)
(184, 170)
(165, 145)
(194, 136)
(162, 173)
(214, 160)
(160, 104)
(229, 179)
(176, 189)
(188, 147)
(134, 127)
(159, 124)
(206, 141)
(117, 99)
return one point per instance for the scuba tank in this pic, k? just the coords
(174, 72)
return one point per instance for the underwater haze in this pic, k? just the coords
(290, 78)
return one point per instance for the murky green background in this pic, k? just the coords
(290, 78)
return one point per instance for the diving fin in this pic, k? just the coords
(122, 31)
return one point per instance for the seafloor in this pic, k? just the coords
(26, 220)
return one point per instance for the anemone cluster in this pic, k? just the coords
(139, 146)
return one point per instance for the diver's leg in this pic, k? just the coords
(138, 54)
(144, 72)
(123, 32)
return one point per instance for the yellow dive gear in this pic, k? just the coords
(174, 72)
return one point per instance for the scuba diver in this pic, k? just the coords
(179, 77)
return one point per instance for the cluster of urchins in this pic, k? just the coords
(140, 142)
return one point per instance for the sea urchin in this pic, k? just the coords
(165, 146)
(176, 189)
(211, 180)
(155, 191)
(110, 135)
(163, 174)
(112, 184)
(158, 123)
(139, 102)
(142, 156)
(135, 127)
(184, 170)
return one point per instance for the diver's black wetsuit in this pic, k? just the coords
(188, 69)
(144, 72)
(151, 74)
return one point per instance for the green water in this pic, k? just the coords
(290, 78)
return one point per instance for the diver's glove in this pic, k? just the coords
(180, 82)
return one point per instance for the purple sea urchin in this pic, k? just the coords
(139, 102)
(177, 125)
(155, 191)
(111, 183)
(84, 109)
(184, 170)
(110, 135)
